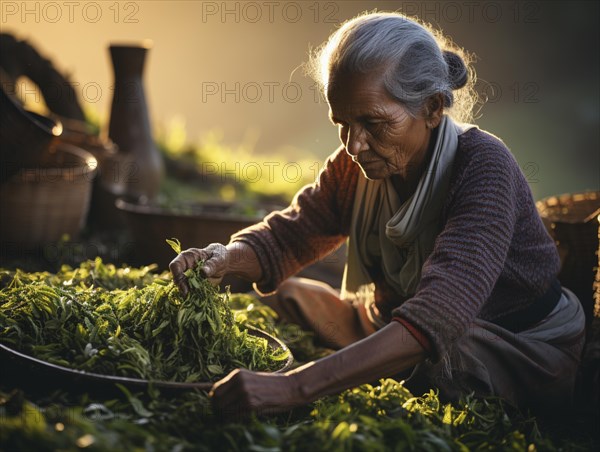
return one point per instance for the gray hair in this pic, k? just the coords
(419, 62)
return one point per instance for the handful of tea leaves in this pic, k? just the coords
(149, 332)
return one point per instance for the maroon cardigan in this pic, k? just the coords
(492, 259)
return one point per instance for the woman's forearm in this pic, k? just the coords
(243, 261)
(387, 352)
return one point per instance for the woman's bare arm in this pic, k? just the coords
(385, 353)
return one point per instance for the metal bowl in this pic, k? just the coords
(35, 375)
(196, 225)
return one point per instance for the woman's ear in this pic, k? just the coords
(434, 110)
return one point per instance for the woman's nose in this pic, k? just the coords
(354, 140)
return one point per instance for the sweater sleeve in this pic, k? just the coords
(311, 227)
(470, 252)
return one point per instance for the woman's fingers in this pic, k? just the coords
(229, 398)
(236, 395)
(214, 268)
(184, 261)
(216, 262)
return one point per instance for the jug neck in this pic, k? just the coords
(128, 61)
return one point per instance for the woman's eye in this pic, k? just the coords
(374, 124)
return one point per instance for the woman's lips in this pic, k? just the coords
(366, 158)
(364, 162)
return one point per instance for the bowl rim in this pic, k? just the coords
(133, 207)
(93, 377)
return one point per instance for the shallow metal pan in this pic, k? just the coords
(35, 375)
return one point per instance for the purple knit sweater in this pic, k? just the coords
(493, 256)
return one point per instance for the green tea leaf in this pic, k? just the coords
(175, 244)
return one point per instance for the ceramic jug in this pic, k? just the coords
(141, 167)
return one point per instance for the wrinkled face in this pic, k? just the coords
(377, 131)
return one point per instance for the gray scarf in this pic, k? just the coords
(400, 235)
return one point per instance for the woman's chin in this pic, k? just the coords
(372, 174)
(373, 170)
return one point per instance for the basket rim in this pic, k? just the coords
(86, 168)
(546, 205)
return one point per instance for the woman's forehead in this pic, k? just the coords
(344, 85)
(359, 93)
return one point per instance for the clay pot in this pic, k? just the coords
(24, 136)
(140, 165)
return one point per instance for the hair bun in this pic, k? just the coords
(457, 71)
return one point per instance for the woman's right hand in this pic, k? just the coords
(219, 260)
(216, 265)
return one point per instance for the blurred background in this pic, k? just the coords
(230, 73)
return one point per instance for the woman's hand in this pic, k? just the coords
(215, 257)
(219, 260)
(243, 391)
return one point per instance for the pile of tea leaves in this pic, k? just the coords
(147, 332)
(377, 417)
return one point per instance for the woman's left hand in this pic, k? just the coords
(244, 391)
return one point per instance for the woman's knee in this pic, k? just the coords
(291, 287)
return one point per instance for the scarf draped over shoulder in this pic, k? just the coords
(399, 236)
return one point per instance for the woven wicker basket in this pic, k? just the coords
(597, 282)
(40, 204)
(571, 220)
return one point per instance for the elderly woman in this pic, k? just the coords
(450, 277)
